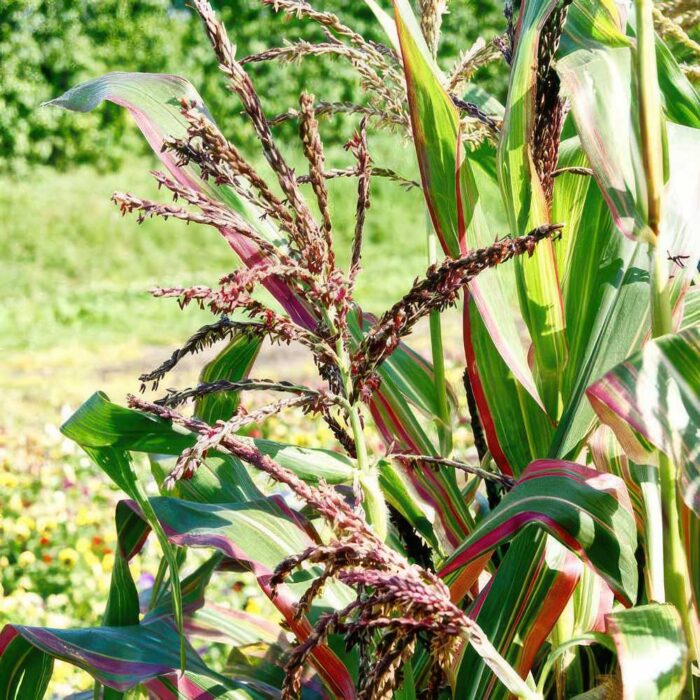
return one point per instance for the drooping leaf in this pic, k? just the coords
(652, 401)
(651, 651)
(587, 511)
(100, 442)
(118, 658)
(25, 671)
(259, 535)
(154, 100)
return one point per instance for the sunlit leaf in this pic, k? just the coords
(652, 401)
(651, 651)
(587, 511)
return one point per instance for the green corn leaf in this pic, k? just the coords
(607, 121)
(233, 363)
(587, 511)
(606, 297)
(691, 308)
(527, 207)
(605, 282)
(116, 463)
(652, 402)
(259, 535)
(25, 671)
(651, 651)
(402, 495)
(690, 529)
(461, 193)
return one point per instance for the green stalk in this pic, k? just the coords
(368, 478)
(676, 579)
(649, 111)
(444, 426)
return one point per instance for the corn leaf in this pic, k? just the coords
(527, 207)
(458, 190)
(154, 102)
(587, 511)
(259, 535)
(607, 121)
(25, 671)
(233, 363)
(651, 651)
(518, 618)
(652, 401)
(117, 657)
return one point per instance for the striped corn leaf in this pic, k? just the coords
(461, 195)
(117, 657)
(588, 511)
(518, 618)
(154, 102)
(259, 535)
(233, 363)
(651, 651)
(526, 204)
(652, 402)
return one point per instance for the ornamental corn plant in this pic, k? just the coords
(563, 560)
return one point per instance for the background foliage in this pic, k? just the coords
(50, 45)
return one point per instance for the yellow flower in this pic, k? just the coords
(46, 525)
(22, 532)
(90, 558)
(302, 440)
(82, 545)
(15, 502)
(8, 481)
(84, 517)
(68, 557)
(25, 559)
(27, 521)
(4, 562)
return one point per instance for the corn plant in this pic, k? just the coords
(562, 560)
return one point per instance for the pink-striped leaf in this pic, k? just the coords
(587, 511)
(258, 535)
(517, 619)
(526, 204)
(154, 102)
(652, 402)
(462, 197)
(118, 657)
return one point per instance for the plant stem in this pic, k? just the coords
(676, 578)
(373, 499)
(444, 419)
(649, 111)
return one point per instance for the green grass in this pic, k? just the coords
(75, 273)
